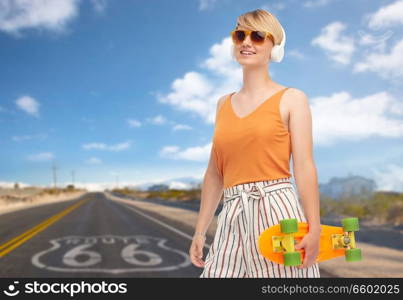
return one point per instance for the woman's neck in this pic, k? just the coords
(256, 80)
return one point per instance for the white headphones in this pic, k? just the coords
(277, 52)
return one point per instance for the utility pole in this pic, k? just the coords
(54, 168)
(72, 177)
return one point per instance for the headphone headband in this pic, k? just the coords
(283, 40)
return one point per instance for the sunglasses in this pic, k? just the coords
(257, 37)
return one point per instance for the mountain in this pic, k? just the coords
(184, 183)
(338, 187)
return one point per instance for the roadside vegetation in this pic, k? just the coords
(380, 207)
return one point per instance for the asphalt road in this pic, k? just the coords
(92, 236)
(98, 238)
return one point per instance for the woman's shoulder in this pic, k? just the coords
(222, 99)
(294, 98)
(294, 91)
(220, 103)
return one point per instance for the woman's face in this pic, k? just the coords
(261, 52)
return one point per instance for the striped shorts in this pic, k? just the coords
(249, 209)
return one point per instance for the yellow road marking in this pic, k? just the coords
(17, 241)
(27, 232)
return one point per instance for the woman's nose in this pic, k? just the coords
(247, 40)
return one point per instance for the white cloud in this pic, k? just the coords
(181, 127)
(133, 123)
(317, 3)
(273, 7)
(389, 178)
(95, 186)
(10, 184)
(44, 156)
(376, 42)
(168, 150)
(386, 62)
(93, 161)
(389, 15)
(220, 61)
(206, 4)
(341, 117)
(101, 186)
(99, 5)
(387, 65)
(197, 153)
(178, 185)
(17, 15)
(185, 181)
(22, 138)
(157, 120)
(29, 105)
(337, 46)
(296, 53)
(199, 92)
(102, 146)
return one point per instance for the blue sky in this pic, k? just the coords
(126, 90)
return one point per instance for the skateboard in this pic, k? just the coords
(277, 243)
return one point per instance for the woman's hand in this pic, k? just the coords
(196, 250)
(310, 243)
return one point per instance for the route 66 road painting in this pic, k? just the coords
(110, 254)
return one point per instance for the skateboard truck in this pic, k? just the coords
(345, 240)
(285, 243)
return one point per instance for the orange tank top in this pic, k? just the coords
(255, 147)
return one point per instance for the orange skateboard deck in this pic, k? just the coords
(334, 241)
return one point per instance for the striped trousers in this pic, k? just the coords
(249, 209)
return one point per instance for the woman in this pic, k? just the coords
(255, 130)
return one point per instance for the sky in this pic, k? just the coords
(108, 93)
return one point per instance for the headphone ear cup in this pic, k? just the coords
(274, 54)
(277, 53)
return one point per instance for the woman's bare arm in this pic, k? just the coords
(305, 173)
(212, 188)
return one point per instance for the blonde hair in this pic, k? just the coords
(262, 20)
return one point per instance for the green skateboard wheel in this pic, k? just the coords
(289, 225)
(350, 224)
(353, 254)
(292, 259)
